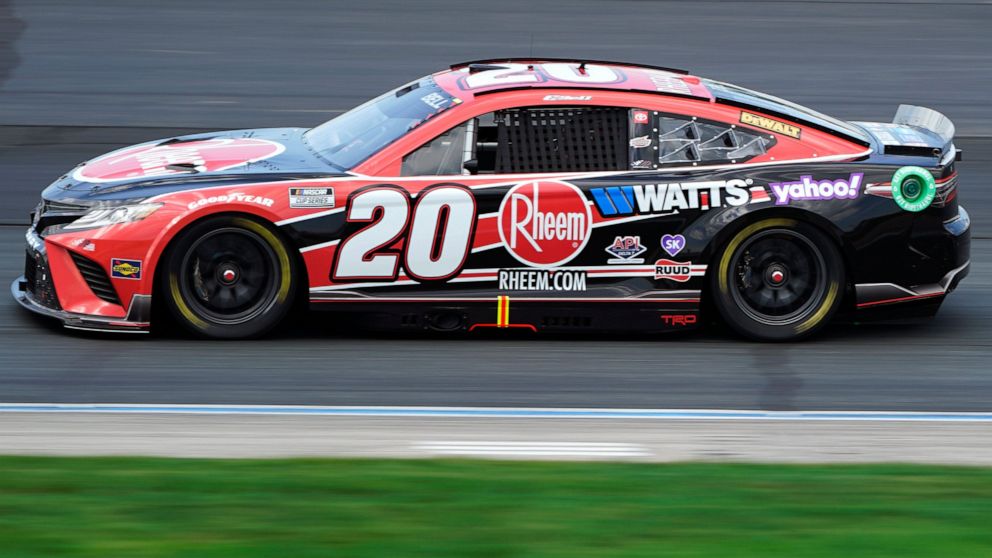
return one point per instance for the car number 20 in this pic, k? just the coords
(433, 232)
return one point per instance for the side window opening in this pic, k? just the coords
(686, 139)
(443, 155)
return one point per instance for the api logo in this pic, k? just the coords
(625, 250)
(125, 269)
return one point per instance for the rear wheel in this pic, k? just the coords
(229, 277)
(778, 280)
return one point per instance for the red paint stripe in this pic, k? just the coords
(518, 300)
(473, 327)
(901, 299)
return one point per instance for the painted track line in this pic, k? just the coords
(498, 412)
(534, 449)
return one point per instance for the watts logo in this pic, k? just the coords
(771, 125)
(643, 199)
(125, 269)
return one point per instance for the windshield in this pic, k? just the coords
(359, 133)
(768, 102)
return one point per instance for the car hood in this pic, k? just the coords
(193, 161)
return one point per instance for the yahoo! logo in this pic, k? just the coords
(809, 189)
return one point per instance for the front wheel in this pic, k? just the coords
(778, 280)
(229, 277)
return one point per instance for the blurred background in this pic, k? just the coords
(81, 78)
(75, 66)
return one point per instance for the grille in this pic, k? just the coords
(39, 281)
(96, 278)
(49, 205)
(30, 272)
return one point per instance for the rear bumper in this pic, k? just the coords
(955, 240)
(135, 322)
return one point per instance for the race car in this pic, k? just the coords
(546, 195)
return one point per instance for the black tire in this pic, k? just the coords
(778, 280)
(229, 277)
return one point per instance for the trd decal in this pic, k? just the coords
(679, 319)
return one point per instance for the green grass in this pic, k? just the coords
(117, 508)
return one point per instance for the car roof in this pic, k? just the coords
(471, 79)
(480, 77)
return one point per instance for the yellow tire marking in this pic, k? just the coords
(280, 250)
(821, 312)
(185, 310)
(733, 244)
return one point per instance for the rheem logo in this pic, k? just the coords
(544, 223)
(159, 160)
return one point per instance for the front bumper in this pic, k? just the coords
(135, 322)
(37, 290)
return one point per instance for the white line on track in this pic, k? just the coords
(498, 412)
(534, 449)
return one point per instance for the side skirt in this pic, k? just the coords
(646, 314)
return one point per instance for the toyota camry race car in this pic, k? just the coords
(542, 194)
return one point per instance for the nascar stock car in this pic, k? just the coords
(542, 194)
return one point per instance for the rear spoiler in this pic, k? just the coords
(927, 119)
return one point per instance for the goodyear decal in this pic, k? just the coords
(771, 125)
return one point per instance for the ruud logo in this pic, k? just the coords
(544, 223)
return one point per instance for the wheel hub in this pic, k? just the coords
(228, 273)
(776, 275)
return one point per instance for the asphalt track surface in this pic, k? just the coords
(80, 79)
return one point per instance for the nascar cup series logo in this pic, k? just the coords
(544, 223)
(155, 160)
